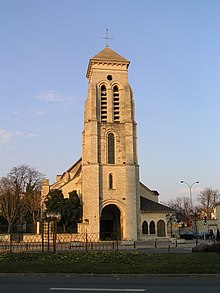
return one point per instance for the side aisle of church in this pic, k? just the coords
(115, 203)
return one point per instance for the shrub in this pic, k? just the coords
(215, 247)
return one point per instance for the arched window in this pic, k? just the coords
(110, 181)
(144, 228)
(152, 227)
(111, 148)
(116, 104)
(103, 104)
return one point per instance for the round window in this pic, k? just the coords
(109, 77)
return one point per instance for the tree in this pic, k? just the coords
(9, 202)
(54, 201)
(19, 184)
(208, 199)
(71, 210)
(182, 207)
(33, 202)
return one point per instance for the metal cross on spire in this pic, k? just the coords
(107, 38)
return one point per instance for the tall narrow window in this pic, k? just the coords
(103, 104)
(116, 104)
(152, 227)
(144, 228)
(110, 181)
(111, 148)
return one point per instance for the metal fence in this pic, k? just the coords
(17, 242)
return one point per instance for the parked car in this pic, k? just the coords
(199, 235)
(191, 235)
(187, 235)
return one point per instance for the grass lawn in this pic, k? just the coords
(110, 262)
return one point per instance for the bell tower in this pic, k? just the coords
(110, 171)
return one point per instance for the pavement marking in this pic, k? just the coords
(98, 289)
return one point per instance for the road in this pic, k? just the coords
(88, 284)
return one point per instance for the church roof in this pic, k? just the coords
(155, 192)
(77, 167)
(150, 206)
(107, 55)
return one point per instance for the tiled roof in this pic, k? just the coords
(150, 206)
(108, 54)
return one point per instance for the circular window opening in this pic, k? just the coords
(109, 77)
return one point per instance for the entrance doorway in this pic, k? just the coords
(110, 223)
(161, 229)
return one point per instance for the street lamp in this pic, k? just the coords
(195, 215)
(170, 219)
(190, 189)
(54, 218)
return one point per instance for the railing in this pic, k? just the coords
(59, 242)
(83, 242)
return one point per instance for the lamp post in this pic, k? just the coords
(195, 215)
(190, 189)
(54, 218)
(170, 218)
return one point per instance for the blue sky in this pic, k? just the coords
(174, 50)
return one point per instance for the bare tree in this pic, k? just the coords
(180, 203)
(9, 202)
(208, 199)
(19, 193)
(33, 203)
(182, 207)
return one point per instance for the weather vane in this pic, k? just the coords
(107, 38)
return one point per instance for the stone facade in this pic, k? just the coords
(107, 175)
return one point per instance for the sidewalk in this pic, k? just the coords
(164, 246)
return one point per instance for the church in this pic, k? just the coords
(115, 203)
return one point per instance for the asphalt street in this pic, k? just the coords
(111, 283)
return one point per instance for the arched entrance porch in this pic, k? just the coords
(110, 223)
